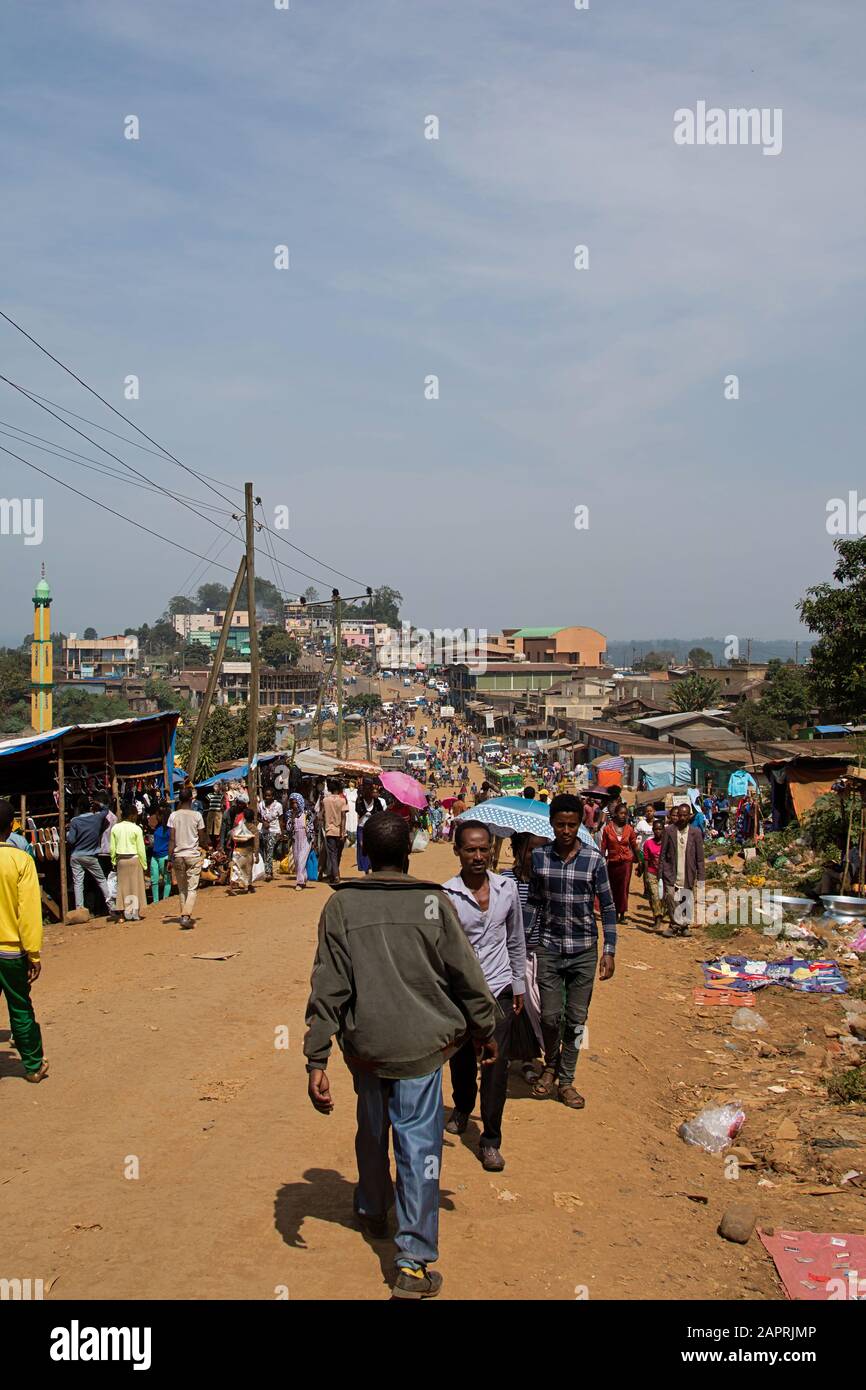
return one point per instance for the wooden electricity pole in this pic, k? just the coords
(253, 709)
(213, 674)
(338, 640)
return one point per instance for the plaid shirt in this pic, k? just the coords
(563, 892)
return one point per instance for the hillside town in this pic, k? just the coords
(432, 680)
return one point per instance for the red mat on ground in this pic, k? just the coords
(819, 1266)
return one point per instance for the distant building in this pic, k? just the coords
(86, 658)
(185, 624)
(278, 685)
(573, 646)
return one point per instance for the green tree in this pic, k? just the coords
(363, 704)
(74, 706)
(786, 694)
(699, 656)
(182, 604)
(278, 648)
(654, 661)
(383, 607)
(837, 612)
(210, 597)
(694, 692)
(155, 688)
(90, 634)
(195, 657)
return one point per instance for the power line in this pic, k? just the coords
(48, 446)
(133, 443)
(187, 583)
(167, 452)
(176, 497)
(113, 409)
(95, 442)
(103, 506)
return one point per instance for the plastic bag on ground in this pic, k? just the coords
(748, 1021)
(714, 1128)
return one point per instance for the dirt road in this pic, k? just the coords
(172, 1152)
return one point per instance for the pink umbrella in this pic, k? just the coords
(404, 788)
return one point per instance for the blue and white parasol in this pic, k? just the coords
(516, 815)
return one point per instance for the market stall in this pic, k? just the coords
(41, 774)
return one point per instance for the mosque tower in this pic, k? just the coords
(41, 675)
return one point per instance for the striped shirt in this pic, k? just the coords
(563, 891)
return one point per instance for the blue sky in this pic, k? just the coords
(455, 257)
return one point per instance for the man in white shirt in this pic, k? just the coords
(489, 911)
(187, 842)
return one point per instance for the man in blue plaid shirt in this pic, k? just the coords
(564, 880)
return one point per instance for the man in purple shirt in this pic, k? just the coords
(488, 907)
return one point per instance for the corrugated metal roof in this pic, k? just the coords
(538, 631)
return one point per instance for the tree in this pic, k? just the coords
(195, 657)
(155, 688)
(363, 704)
(785, 694)
(756, 723)
(837, 670)
(210, 597)
(14, 690)
(311, 594)
(654, 661)
(269, 599)
(699, 656)
(278, 648)
(694, 692)
(74, 706)
(383, 607)
(181, 604)
(90, 634)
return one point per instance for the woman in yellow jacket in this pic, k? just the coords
(20, 946)
(129, 857)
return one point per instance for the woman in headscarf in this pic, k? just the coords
(129, 858)
(302, 827)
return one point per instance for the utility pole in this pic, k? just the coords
(213, 674)
(338, 642)
(253, 708)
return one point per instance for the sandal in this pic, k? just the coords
(570, 1097)
(545, 1083)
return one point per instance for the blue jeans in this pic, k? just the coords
(412, 1109)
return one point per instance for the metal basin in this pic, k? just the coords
(847, 909)
(795, 908)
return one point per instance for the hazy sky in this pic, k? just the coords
(409, 257)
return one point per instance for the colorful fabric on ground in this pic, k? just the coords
(808, 976)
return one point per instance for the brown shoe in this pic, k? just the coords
(39, 1075)
(570, 1097)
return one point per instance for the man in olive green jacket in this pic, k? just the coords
(398, 984)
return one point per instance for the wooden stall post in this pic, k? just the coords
(169, 790)
(61, 806)
(113, 770)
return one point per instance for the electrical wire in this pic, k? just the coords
(133, 443)
(48, 446)
(113, 409)
(103, 506)
(167, 452)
